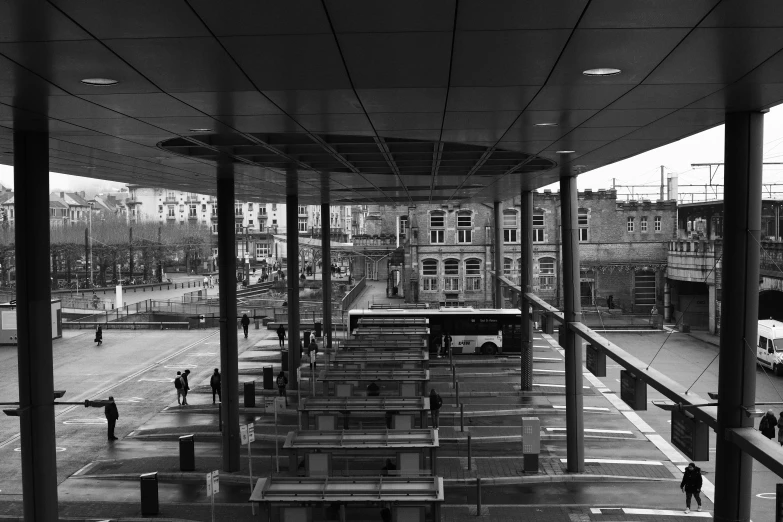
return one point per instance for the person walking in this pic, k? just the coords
(313, 351)
(99, 336)
(245, 323)
(780, 428)
(214, 382)
(111, 413)
(767, 425)
(180, 388)
(185, 387)
(446, 344)
(435, 403)
(282, 382)
(281, 335)
(373, 390)
(691, 485)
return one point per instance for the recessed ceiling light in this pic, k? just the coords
(546, 124)
(100, 82)
(564, 152)
(200, 130)
(602, 71)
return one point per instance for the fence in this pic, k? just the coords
(351, 296)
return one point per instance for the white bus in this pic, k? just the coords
(473, 330)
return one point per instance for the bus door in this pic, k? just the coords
(435, 337)
(512, 338)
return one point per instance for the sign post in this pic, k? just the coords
(213, 487)
(633, 390)
(690, 436)
(248, 434)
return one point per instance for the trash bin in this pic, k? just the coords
(149, 493)
(187, 453)
(269, 378)
(250, 394)
(318, 330)
(284, 360)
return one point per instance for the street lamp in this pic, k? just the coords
(90, 234)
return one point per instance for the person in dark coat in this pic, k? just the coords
(245, 323)
(281, 335)
(435, 403)
(691, 485)
(99, 336)
(767, 425)
(780, 429)
(313, 349)
(214, 382)
(111, 416)
(282, 382)
(185, 387)
(373, 390)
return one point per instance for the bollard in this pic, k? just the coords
(148, 483)
(478, 496)
(453, 376)
(470, 455)
(220, 417)
(461, 417)
(187, 453)
(456, 393)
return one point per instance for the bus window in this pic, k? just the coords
(512, 338)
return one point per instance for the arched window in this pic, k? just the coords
(464, 226)
(473, 275)
(507, 266)
(510, 226)
(546, 273)
(451, 275)
(429, 275)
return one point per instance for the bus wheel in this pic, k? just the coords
(489, 349)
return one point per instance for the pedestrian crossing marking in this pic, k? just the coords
(595, 430)
(619, 461)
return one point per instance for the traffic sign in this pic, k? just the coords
(213, 483)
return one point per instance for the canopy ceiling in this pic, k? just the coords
(383, 102)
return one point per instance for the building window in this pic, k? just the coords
(437, 225)
(203, 207)
(250, 207)
(644, 288)
(171, 210)
(451, 275)
(238, 209)
(160, 209)
(238, 227)
(546, 273)
(274, 222)
(303, 224)
(274, 207)
(510, 226)
(538, 228)
(192, 211)
(473, 275)
(508, 265)
(643, 224)
(584, 229)
(262, 250)
(630, 225)
(464, 227)
(250, 223)
(429, 273)
(262, 211)
(302, 210)
(182, 209)
(657, 223)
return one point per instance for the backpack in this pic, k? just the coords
(178, 383)
(281, 381)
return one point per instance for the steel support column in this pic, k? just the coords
(525, 286)
(292, 276)
(227, 283)
(33, 309)
(572, 312)
(739, 314)
(497, 288)
(326, 275)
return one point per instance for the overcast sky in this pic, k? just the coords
(643, 169)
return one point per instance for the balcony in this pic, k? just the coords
(193, 218)
(171, 218)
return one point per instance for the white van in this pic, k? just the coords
(769, 351)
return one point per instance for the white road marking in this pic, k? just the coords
(767, 496)
(666, 448)
(544, 385)
(588, 408)
(616, 461)
(536, 370)
(595, 430)
(177, 366)
(557, 359)
(155, 379)
(670, 512)
(58, 449)
(93, 421)
(203, 354)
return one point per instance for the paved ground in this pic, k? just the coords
(628, 475)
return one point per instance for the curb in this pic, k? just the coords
(533, 479)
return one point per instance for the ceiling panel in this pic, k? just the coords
(628, 118)
(243, 103)
(566, 97)
(645, 14)
(504, 58)
(136, 105)
(359, 16)
(289, 62)
(743, 97)
(240, 17)
(512, 14)
(514, 98)
(403, 100)
(36, 21)
(397, 60)
(664, 96)
(739, 13)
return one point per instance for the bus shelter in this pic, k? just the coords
(288, 499)
(362, 452)
(361, 359)
(396, 343)
(344, 382)
(326, 410)
(385, 322)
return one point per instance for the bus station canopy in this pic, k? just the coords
(325, 490)
(372, 357)
(362, 439)
(375, 102)
(394, 375)
(366, 404)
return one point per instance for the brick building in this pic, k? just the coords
(449, 249)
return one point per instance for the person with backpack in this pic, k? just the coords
(446, 343)
(313, 351)
(185, 387)
(281, 335)
(767, 425)
(435, 403)
(180, 389)
(214, 382)
(245, 323)
(691, 485)
(282, 382)
(373, 390)
(99, 336)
